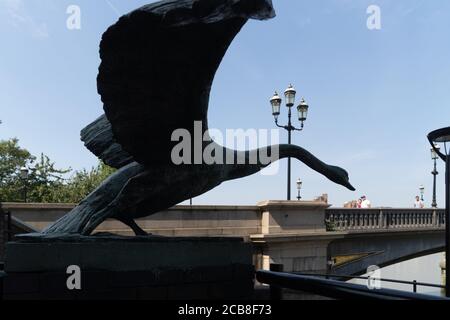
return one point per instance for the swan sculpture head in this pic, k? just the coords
(340, 176)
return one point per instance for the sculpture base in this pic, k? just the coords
(143, 268)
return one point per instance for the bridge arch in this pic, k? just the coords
(354, 253)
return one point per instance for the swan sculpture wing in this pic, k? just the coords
(158, 65)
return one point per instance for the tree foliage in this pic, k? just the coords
(84, 182)
(45, 182)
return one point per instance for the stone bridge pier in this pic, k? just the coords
(293, 234)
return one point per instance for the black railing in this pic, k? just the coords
(335, 289)
(8, 229)
(3, 236)
(414, 284)
(6, 233)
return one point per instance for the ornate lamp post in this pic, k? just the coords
(302, 116)
(443, 136)
(299, 189)
(422, 191)
(24, 174)
(434, 157)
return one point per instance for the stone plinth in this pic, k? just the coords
(294, 235)
(288, 217)
(131, 268)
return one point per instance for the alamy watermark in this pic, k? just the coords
(73, 22)
(374, 19)
(206, 147)
(374, 278)
(74, 280)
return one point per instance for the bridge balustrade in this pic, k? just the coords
(343, 219)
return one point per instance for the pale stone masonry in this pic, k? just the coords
(268, 217)
(289, 232)
(292, 233)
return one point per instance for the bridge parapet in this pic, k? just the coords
(343, 219)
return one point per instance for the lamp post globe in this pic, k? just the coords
(435, 149)
(434, 152)
(299, 189)
(290, 96)
(24, 173)
(302, 109)
(275, 102)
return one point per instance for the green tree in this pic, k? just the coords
(12, 158)
(84, 182)
(45, 183)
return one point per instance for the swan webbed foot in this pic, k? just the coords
(136, 229)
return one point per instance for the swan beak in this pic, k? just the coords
(349, 186)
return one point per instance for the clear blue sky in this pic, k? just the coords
(374, 95)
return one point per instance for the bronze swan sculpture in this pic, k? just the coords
(155, 77)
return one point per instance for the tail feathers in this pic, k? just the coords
(98, 137)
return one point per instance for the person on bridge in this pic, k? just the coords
(359, 203)
(365, 204)
(418, 204)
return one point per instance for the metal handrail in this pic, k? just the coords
(414, 283)
(8, 225)
(336, 289)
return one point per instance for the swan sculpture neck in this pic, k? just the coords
(256, 160)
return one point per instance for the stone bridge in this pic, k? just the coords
(304, 236)
(382, 237)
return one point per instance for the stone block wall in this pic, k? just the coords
(207, 283)
(153, 269)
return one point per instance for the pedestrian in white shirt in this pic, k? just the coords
(365, 204)
(419, 203)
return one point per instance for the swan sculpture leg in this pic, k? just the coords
(135, 227)
(138, 189)
(99, 200)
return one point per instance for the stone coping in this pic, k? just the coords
(109, 237)
(19, 205)
(365, 232)
(292, 237)
(277, 204)
(262, 204)
(69, 206)
(272, 204)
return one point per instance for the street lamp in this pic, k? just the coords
(24, 174)
(299, 188)
(422, 191)
(434, 157)
(302, 110)
(443, 136)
